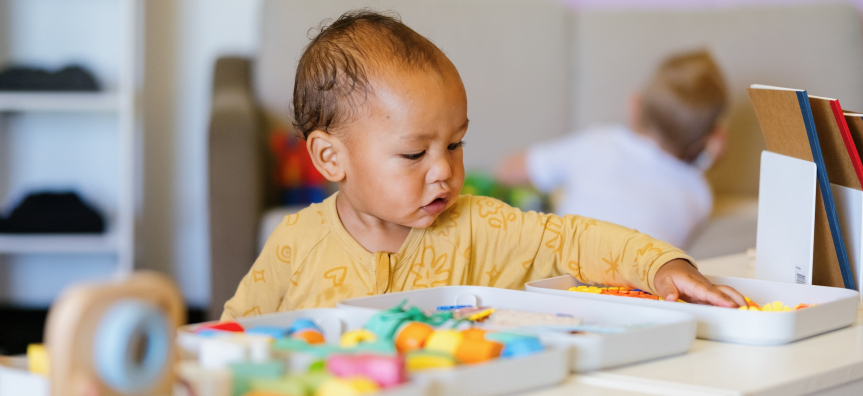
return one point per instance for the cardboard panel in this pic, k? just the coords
(840, 169)
(781, 122)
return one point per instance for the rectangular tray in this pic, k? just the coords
(669, 333)
(501, 376)
(836, 308)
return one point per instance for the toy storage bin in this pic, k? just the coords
(836, 308)
(332, 321)
(501, 376)
(666, 332)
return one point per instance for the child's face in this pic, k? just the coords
(404, 156)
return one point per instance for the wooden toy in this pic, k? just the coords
(115, 338)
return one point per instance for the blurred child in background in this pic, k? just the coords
(647, 175)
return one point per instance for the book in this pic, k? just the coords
(786, 120)
(837, 145)
(854, 120)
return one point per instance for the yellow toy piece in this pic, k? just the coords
(419, 361)
(350, 386)
(37, 359)
(445, 340)
(352, 338)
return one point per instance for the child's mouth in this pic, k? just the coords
(435, 207)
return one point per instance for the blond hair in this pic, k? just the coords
(683, 102)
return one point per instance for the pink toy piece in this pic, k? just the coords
(386, 371)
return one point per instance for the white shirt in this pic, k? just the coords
(612, 174)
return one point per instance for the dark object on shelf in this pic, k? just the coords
(70, 78)
(51, 213)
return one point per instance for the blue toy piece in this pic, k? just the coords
(516, 345)
(125, 325)
(272, 331)
(209, 333)
(452, 307)
(302, 324)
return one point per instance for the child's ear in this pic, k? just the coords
(326, 152)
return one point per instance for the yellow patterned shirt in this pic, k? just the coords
(311, 260)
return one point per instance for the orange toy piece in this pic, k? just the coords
(775, 306)
(477, 350)
(473, 333)
(412, 336)
(311, 336)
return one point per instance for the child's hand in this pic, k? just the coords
(679, 279)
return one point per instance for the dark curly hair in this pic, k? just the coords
(332, 80)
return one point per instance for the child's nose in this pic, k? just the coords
(441, 170)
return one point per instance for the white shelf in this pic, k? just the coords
(57, 243)
(59, 101)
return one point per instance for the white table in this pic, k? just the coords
(828, 364)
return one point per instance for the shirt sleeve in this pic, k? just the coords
(548, 163)
(263, 287)
(518, 246)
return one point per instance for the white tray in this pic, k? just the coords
(669, 333)
(836, 308)
(493, 378)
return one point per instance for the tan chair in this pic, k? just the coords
(533, 70)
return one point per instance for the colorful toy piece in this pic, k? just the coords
(274, 332)
(358, 385)
(221, 326)
(312, 336)
(477, 350)
(444, 340)
(473, 314)
(636, 293)
(385, 371)
(775, 306)
(354, 337)
(412, 336)
(427, 360)
(516, 345)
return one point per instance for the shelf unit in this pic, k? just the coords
(119, 102)
(100, 102)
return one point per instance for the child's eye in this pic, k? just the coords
(454, 146)
(413, 156)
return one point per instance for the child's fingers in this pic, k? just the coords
(716, 297)
(733, 294)
(667, 290)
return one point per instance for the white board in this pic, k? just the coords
(786, 219)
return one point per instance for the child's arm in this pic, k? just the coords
(264, 286)
(511, 247)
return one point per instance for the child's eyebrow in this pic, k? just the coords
(420, 137)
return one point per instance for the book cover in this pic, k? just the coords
(854, 121)
(837, 146)
(786, 120)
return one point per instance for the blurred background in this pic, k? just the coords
(155, 133)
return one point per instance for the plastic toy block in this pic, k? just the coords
(775, 306)
(224, 326)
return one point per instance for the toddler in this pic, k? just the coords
(384, 115)
(648, 175)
